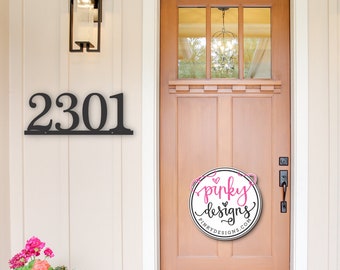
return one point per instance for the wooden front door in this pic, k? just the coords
(232, 114)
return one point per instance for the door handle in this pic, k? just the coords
(283, 182)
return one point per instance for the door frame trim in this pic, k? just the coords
(299, 135)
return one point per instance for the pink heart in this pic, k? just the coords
(216, 180)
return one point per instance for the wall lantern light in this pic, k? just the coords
(85, 20)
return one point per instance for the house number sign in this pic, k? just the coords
(68, 102)
(225, 203)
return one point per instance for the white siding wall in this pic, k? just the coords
(4, 149)
(80, 194)
(83, 194)
(323, 201)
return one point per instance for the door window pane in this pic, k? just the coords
(192, 43)
(224, 42)
(257, 43)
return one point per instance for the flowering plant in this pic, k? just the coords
(27, 258)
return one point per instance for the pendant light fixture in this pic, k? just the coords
(224, 50)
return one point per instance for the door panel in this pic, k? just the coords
(197, 122)
(251, 134)
(207, 124)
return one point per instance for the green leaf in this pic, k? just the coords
(30, 264)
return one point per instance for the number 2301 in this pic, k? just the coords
(37, 129)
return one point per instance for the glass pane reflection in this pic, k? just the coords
(257, 43)
(224, 42)
(191, 43)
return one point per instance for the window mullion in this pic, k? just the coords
(240, 43)
(208, 42)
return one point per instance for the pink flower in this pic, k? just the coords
(27, 258)
(27, 253)
(18, 260)
(41, 265)
(33, 246)
(49, 253)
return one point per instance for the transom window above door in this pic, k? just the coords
(224, 42)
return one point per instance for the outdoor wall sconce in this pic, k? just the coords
(85, 21)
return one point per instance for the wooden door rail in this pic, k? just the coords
(225, 86)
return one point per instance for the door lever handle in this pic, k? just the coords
(283, 182)
(284, 191)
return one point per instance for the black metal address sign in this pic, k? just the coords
(69, 102)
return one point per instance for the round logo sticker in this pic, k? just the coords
(225, 203)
